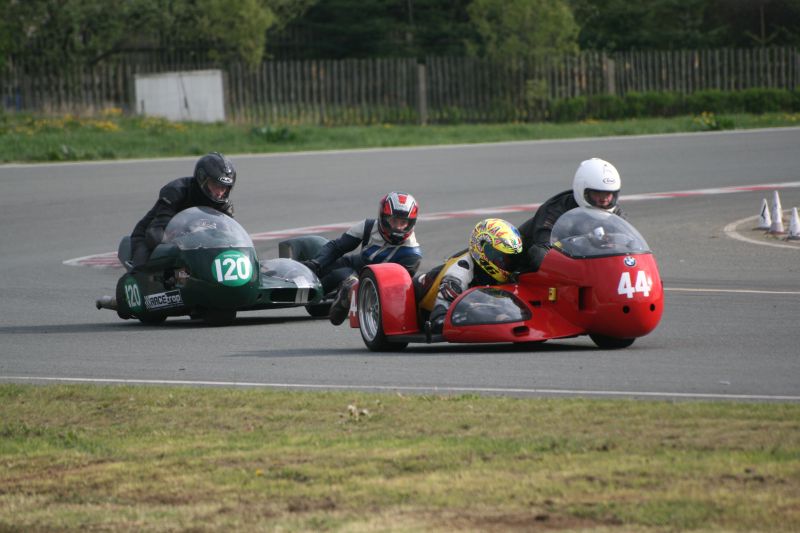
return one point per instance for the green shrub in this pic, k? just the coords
(635, 105)
(669, 104)
(568, 109)
(765, 100)
(711, 101)
(452, 115)
(605, 107)
(794, 101)
(665, 104)
(504, 110)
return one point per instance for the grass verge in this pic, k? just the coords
(78, 458)
(25, 138)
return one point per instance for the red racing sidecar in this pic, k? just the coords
(599, 278)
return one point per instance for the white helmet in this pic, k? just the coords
(596, 175)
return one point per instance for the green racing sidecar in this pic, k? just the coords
(207, 267)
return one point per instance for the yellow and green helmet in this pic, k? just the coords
(493, 245)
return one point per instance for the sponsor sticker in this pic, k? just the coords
(163, 300)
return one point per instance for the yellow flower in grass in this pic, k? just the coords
(112, 112)
(103, 125)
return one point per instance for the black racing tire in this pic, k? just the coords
(610, 343)
(219, 317)
(152, 320)
(370, 318)
(319, 310)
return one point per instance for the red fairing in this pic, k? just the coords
(617, 296)
(624, 301)
(398, 302)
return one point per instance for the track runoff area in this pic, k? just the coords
(109, 259)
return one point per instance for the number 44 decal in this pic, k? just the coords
(643, 284)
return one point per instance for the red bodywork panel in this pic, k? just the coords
(399, 305)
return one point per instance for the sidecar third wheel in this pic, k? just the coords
(370, 318)
(219, 317)
(318, 310)
(152, 319)
(610, 343)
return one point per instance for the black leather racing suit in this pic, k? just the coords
(536, 230)
(173, 198)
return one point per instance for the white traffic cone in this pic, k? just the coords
(794, 226)
(764, 218)
(777, 216)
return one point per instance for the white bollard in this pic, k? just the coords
(764, 219)
(794, 226)
(777, 216)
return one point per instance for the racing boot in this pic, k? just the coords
(341, 304)
(106, 302)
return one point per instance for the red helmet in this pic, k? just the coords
(397, 216)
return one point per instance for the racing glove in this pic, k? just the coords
(312, 264)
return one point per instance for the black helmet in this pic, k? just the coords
(216, 176)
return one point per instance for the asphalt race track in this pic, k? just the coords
(732, 311)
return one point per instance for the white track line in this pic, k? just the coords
(740, 291)
(730, 231)
(381, 388)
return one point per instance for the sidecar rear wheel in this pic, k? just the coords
(370, 318)
(610, 343)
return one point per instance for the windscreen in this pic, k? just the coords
(204, 227)
(289, 270)
(487, 305)
(585, 232)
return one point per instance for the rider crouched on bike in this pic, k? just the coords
(493, 245)
(389, 239)
(210, 186)
(596, 185)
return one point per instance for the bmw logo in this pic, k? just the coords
(630, 261)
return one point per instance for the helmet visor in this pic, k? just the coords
(498, 258)
(601, 199)
(398, 224)
(217, 191)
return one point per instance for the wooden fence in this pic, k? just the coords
(442, 89)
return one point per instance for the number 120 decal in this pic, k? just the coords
(132, 294)
(232, 268)
(643, 284)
